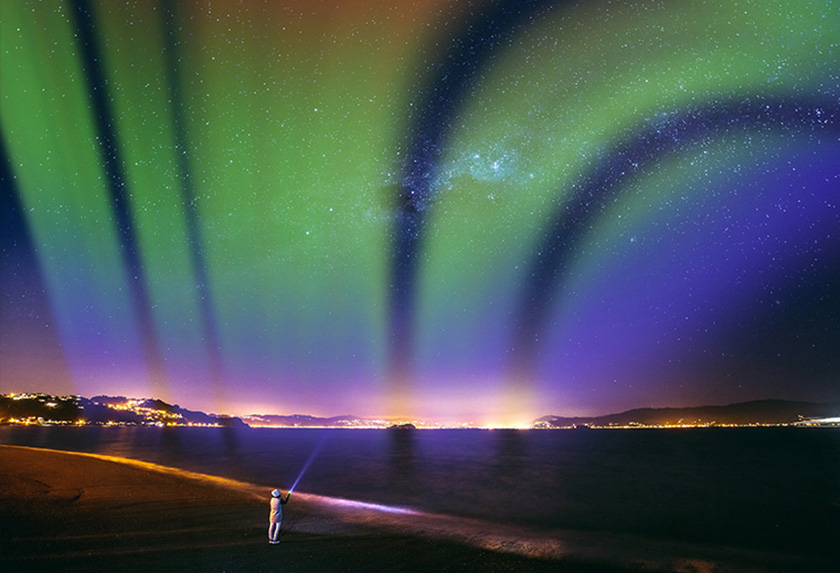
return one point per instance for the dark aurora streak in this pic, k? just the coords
(125, 224)
(454, 72)
(647, 145)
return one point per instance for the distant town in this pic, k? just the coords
(48, 410)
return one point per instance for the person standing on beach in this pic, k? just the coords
(275, 517)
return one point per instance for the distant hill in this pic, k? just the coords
(303, 421)
(743, 413)
(188, 416)
(46, 408)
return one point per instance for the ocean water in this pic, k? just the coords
(765, 488)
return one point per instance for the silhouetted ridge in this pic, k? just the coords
(743, 413)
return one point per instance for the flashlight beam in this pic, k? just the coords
(311, 457)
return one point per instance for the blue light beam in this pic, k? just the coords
(318, 447)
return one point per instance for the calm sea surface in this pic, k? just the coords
(761, 487)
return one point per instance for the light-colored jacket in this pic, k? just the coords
(276, 514)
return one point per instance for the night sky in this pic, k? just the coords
(478, 211)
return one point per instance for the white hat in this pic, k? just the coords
(276, 493)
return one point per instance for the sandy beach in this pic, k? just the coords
(73, 512)
(83, 512)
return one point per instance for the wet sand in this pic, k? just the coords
(82, 512)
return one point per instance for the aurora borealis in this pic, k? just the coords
(486, 211)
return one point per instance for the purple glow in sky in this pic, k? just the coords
(484, 211)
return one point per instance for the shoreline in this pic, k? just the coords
(832, 424)
(78, 510)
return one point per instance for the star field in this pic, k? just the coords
(457, 210)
